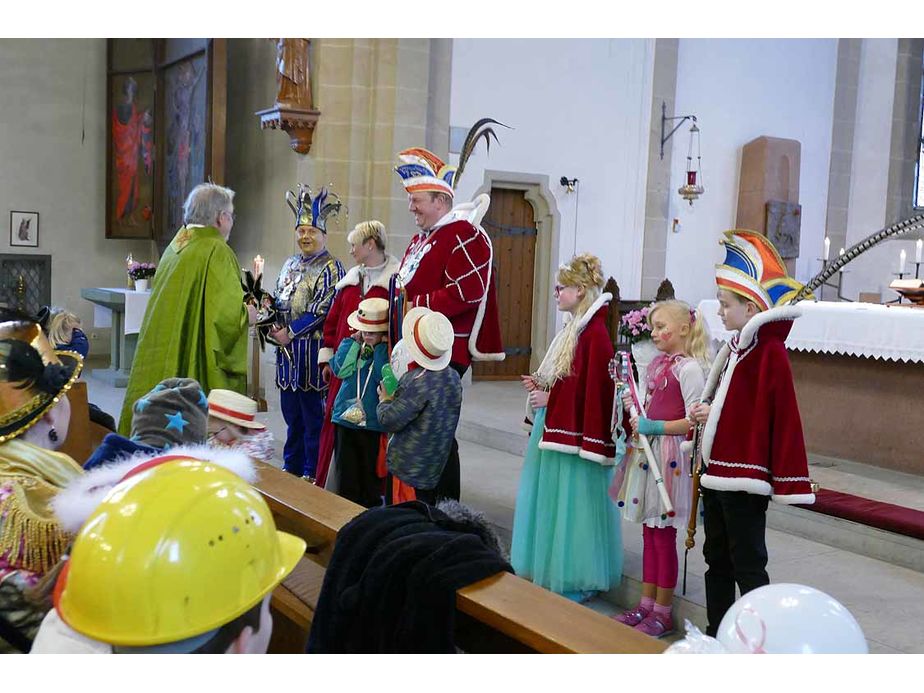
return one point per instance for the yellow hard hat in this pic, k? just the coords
(175, 550)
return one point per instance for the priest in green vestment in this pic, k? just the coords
(196, 324)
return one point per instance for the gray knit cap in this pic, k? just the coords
(174, 413)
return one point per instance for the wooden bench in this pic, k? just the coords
(500, 614)
(83, 436)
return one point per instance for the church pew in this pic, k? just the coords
(503, 613)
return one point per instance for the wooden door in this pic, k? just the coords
(512, 227)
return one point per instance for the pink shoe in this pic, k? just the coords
(656, 625)
(632, 617)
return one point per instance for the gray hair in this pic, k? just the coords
(206, 202)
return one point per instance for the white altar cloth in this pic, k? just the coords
(853, 329)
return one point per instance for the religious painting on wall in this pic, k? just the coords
(186, 122)
(166, 130)
(130, 143)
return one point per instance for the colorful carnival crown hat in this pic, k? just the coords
(313, 212)
(33, 376)
(424, 171)
(754, 269)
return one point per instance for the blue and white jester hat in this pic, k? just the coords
(313, 212)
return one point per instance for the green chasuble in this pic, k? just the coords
(195, 325)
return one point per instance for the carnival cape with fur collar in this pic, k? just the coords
(753, 440)
(577, 419)
(79, 499)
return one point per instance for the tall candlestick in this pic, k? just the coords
(918, 249)
(827, 248)
(257, 266)
(901, 262)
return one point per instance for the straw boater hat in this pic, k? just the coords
(33, 376)
(370, 316)
(428, 336)
(234, 408)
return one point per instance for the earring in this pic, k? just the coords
(52, 435)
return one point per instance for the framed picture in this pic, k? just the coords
(165, 131)
(24, 229)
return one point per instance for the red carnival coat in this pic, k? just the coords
(349, 294)
(577, 420)
(448, 269)
(753, 440)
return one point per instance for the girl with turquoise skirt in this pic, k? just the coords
(566, 532)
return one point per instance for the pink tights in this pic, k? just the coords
(659, 556)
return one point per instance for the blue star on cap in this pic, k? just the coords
(142, 404)
(203, 400)
(177, 422)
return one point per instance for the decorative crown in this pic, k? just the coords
(313, 212)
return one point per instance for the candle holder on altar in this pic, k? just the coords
(840, 280)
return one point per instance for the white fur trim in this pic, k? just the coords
(353, 276)
(559, 447)
(597, 457)
(794, 499)
(761, 319)
(721, 483)
(77, 501)
(325, 354)
(482, 307)
(715, 410)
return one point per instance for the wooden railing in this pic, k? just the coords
(503, 613)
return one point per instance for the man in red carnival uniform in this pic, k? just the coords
(370, 278)
(753, 449)
(448, 268)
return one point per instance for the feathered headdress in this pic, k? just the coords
(754, 269)
(313, 212)
(424, 171)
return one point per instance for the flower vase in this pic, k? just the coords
(141, 285)
(643, 353)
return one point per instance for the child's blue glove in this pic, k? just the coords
(648, 427)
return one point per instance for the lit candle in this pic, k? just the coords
(257, 266)
(827, 248)
(901, 262)
(918, 248)
(840, 252)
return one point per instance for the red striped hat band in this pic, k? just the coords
(419, 343)
(231, 412)
(361, 318)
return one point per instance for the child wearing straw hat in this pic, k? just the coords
(232, 423)
(424, 411)
(358, 364)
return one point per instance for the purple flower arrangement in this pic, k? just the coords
(634, 325)
(141, 270)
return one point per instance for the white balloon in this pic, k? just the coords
(790, 619)
(695, 643)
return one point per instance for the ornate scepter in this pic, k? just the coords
(635, 410)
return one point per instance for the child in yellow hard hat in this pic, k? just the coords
(181, 556)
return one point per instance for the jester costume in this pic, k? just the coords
(33, 378)
(304, 294)
(753, 449)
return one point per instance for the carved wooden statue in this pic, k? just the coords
(293, 84)
(293, 111)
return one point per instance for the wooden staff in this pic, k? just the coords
(634, 411)
(696, 471)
